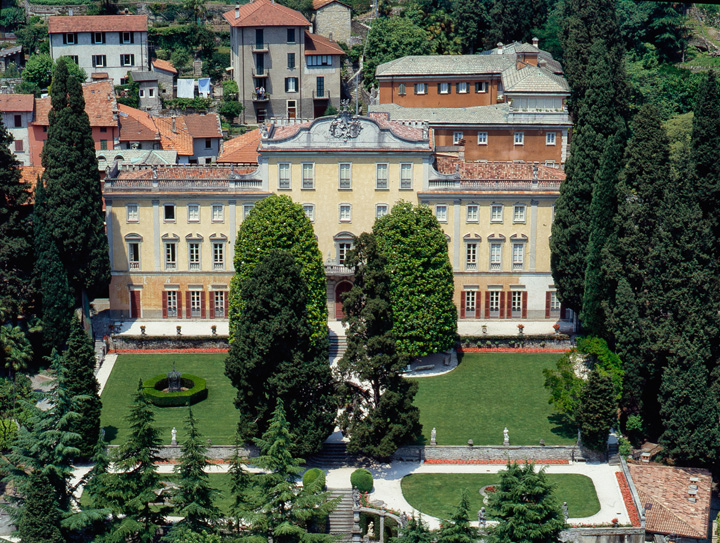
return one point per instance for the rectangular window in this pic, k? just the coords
(172, 303)
(103, 145)
(133, 255)
(219, 256)
(441, 212)
(345, 176)
(247, 208)
(308, 176)
(472, 213)
(471, 256)
(496, 213)
(291, 84)
(219, 303)
(169, 212)
(443, 88)
(495, 256)
(69, 38)
(343, 250)
(141, 92)
(18, 146)
(406, 175)
(516, 303)
(309, 210)
(421, 88)
(127, 37)
(470, 302)
(550, 138)
(345, 212)
(193, 213)
(151, 93)
(320, 87)
(381, 176)
(519, 138)
(518, 252)
(463, 87)
(194, 256)
(218, 213)
(284, 176)
(171, 256)
(519, 213)
(18, 121)
(457, 138)
(291, 35)
(481, 86)
(132, 212)
(195, 303)
(98, 37)
(291, 61)
(381, 210)
(103, 129)
(319, 60)
(401, 89)
(74, 58)
(554, 301)
(208, 143)
(494, 303)
(99, 61)
(482, 138)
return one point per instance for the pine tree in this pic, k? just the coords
(525, 507)
(79, 364)
(597, 410)
(383, 419)
(74, 201)
(241, 487)
(194, 496)
(40, 520)
(458, 530)
(274, 356)
(16, 253)
(415, 531)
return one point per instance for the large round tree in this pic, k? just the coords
(277, 223)
(415, 249)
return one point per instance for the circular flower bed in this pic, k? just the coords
(194, 390)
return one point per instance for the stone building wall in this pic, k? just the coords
(334, 21)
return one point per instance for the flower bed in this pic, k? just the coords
(627, 498)
(167, 351)
(509, 350)
(498, 461)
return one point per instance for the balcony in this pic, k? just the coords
(134, 265)
(337, 269)
(260, 48)
(322, 95)
(264, 97)
(194, 266)
(260, 72)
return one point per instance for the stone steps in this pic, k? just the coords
(338, 346)
(341, 519)
(334, 455)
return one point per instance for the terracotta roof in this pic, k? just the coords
(317, 4)
(178, 140)
(100, 105)
(203, 126)
(186, 172)
(242, 149)
(17, 102)
(282, 132)
(97, 23)
(136, 125)
(165, 65)
(99, 75)
(493, 171)
(399, 129)
(664, 492)
(319, 45)
(265, 13)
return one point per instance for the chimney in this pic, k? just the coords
(500, 47)
(174, 129)
(237, 11)
(330, 36)
(536, 43)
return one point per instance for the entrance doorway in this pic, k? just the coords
(341, 289)
(135, 307)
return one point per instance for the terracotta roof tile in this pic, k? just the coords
(282, 132)
(100, 105)
(17, 102)
(164, 65)
(319, 45)
(399, 129)
(179, 139)
(203, 126)
(265, 13)
(664, 492)
(97, 23)
(136, 125)
(242, 149)
(29, 177)
(497, 171)
(317, 4)
(186, 172)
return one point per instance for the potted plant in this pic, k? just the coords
(521, 327)
(556, 327)
(142, 330)
(484, 328)
(213, 329)
(179, 330)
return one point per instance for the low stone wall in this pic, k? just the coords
(551, 341)
(214, 452)
(537, 453)
(621, 534)
(122, 343)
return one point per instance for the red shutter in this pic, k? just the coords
(478, 313)
(188, 308)
(463, 294)
(524, 305)
(548, 299)
(227, 302)
(502, 305)
(164, 304)
(508, 312)
(202, 304)
(487, 304)
(179, 304)
(212, 305)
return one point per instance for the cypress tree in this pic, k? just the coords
(40, 520)
(378, 422)
(74, 201)
(274, 356)
(16, 253)
(597, 410)
(79, 363)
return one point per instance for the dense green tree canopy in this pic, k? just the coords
(597, 411)
(40, 522)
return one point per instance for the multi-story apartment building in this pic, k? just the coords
(282, 70)
(172, 230)
(102, 44)
(17, 113)
(505, 104)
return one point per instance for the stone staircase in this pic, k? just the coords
(99, 352)
(334, 455)
(341, 519)
(613, 453)
(338, 345)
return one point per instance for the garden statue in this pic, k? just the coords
(174, 381)
(173, 433)
(506, 436)
(356, 497)
(482, 518)
(433, 435)
(566, 512)
(371, 530)
(579, 441)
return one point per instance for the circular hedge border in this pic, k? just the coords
(312, 475)
(361, 479)
(196, 391)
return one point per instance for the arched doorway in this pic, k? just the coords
(340, 289)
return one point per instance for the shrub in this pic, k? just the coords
(362, 479)
(8, 431)
(312, 475)
(196, 391)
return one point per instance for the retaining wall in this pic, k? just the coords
(465, 453)
(214, 452)
(620, 534)
(169, 342)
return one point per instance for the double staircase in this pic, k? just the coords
(334, 455)
(341, 519)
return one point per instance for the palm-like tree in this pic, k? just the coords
(15, 349)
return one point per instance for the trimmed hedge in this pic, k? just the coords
(362, 479)
(196, 391)
(312, 475)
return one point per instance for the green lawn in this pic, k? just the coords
(217, 415)
(437, 494)
(488, 392)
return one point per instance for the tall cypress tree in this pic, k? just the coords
(40, 521)
(79, 363)
(597, 410)
(74, 200)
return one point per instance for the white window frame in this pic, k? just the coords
(516, 303)
(444, 88)
(99, 61)
(463, 87)
(441, 212)
(247, 208)
(518, 256)
(470, 302)
(170, 252)
(133, 212)
(494, 302)
(194, 255)
(193, 212)
(495, 256)
(406, 176)
(195, 303)
(126, 37)
(291, 83)
(172, 303)
(554, 302)
(97, 38)
(70, 38)
(219, 303)
(481, 86)
(458, 137)
(133, 264)
(472, 213)
(345, 212)
(519, 213)
(420, 88)
(471, 251)
(127, 59)
(218, 213)
(165, 212)
(496, 213)
(519, 138)
(381, 210)
(308, 176)
(309, 210)
(284, 176)
(550, 138)
(401, 89)
(343, 247)
(345, 176)
(218, 252)
(482, 138)
(382, 179)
